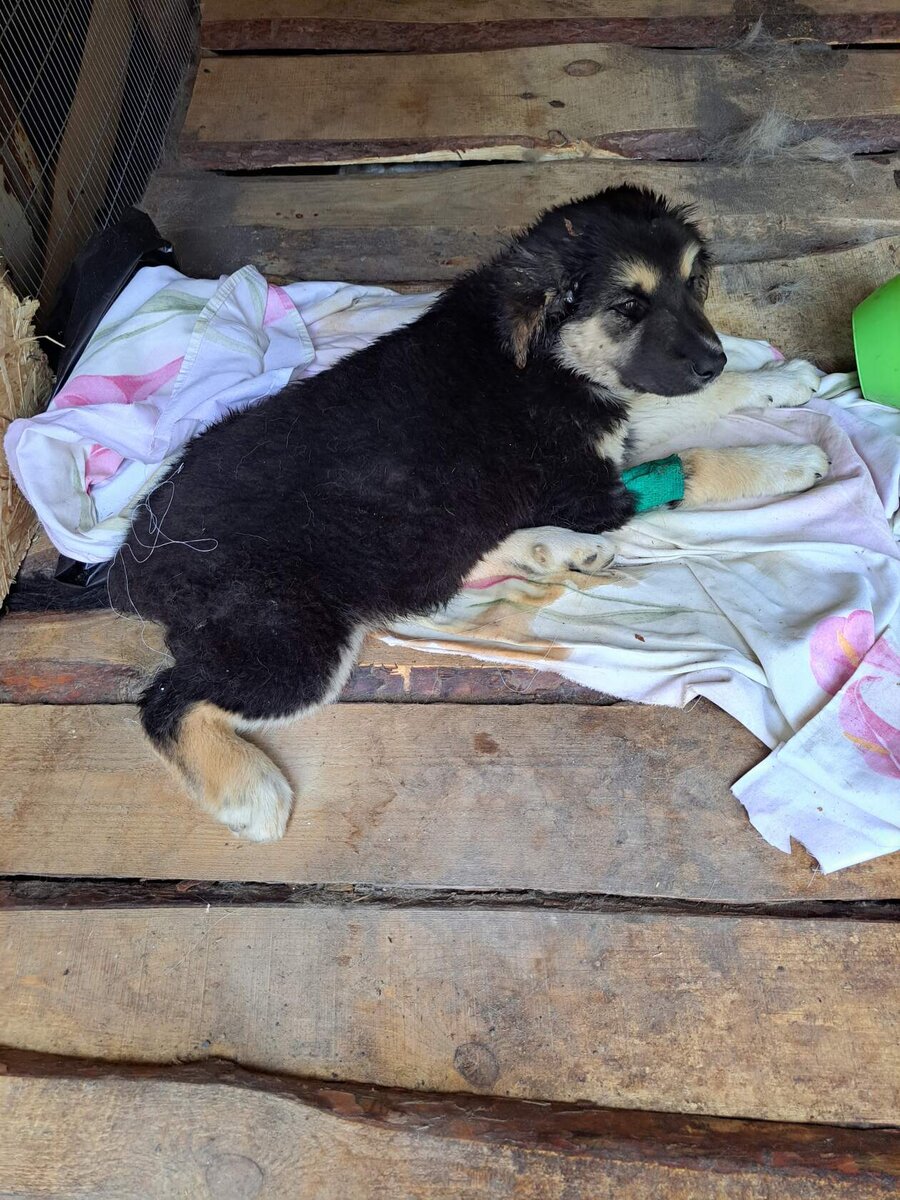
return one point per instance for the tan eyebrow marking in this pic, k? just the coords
(688, 258)
(637, 273)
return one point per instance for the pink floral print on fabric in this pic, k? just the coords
(278, 304)
(102, 463)
(115, 389)
(838, 648)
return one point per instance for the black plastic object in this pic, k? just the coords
(104, 267)
(80, 575)
(95, 279)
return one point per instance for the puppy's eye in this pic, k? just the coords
(632, 308)
(571, 296)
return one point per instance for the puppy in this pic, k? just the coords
(371, 491)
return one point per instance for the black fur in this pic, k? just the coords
(370, 491)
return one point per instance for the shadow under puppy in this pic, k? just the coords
(371, 491)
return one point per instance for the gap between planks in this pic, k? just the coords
(354, 1140)
(36, 893)
(427, 26)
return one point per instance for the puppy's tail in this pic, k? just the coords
(229, 777)
(45, 593)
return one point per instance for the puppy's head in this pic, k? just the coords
(613, 288)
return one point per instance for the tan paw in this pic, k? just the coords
(782, 470)
(261, 813)
(786, 385)
(722, 476)
(804, 466)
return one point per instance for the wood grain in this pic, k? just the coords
(348, 1140)
(554, 102)
(775, 1019)
(429, 25)
(432, 226)
(623, 800)
(52, 656)
(804, 305)
(100, 658)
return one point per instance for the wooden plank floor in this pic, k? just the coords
(430, 25)
(253, 1134)
(520, 939)
(736, 1016)
(551, 102)
(402, 228)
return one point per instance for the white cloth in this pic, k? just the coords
(170, 357)
(768, 608)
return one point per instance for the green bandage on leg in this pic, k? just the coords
(655, 483)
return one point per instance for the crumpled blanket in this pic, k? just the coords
(172, 356)
(783, 611)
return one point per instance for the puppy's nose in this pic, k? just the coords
(709, 363)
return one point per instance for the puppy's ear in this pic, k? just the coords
(523, 319)
(529, 286)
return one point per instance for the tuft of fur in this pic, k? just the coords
(766, 51)
(774, 136)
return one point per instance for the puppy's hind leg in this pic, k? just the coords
(194, 718)
(228, 776)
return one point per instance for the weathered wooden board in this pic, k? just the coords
(554, 102)
(50, 656)
(348, 1140)
(623, 800)
(433, 225)
(99, 658)
(777, 1019)
(429, 25)
(803, 305)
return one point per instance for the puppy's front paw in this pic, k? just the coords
(803, 467)
(786, 385)
(783, 470)
(719, 476)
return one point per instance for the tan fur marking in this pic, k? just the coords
(636, 273)
(588, 349)
(688, 258)
(229, 776)
(525, 329)
(205, 751)
(521, 340)
(612, 445)
(720, 476)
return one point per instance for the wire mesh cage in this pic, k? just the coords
(88, 89)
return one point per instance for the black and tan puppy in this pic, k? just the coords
(369, 492)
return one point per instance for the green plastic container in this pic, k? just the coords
(876, 342)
